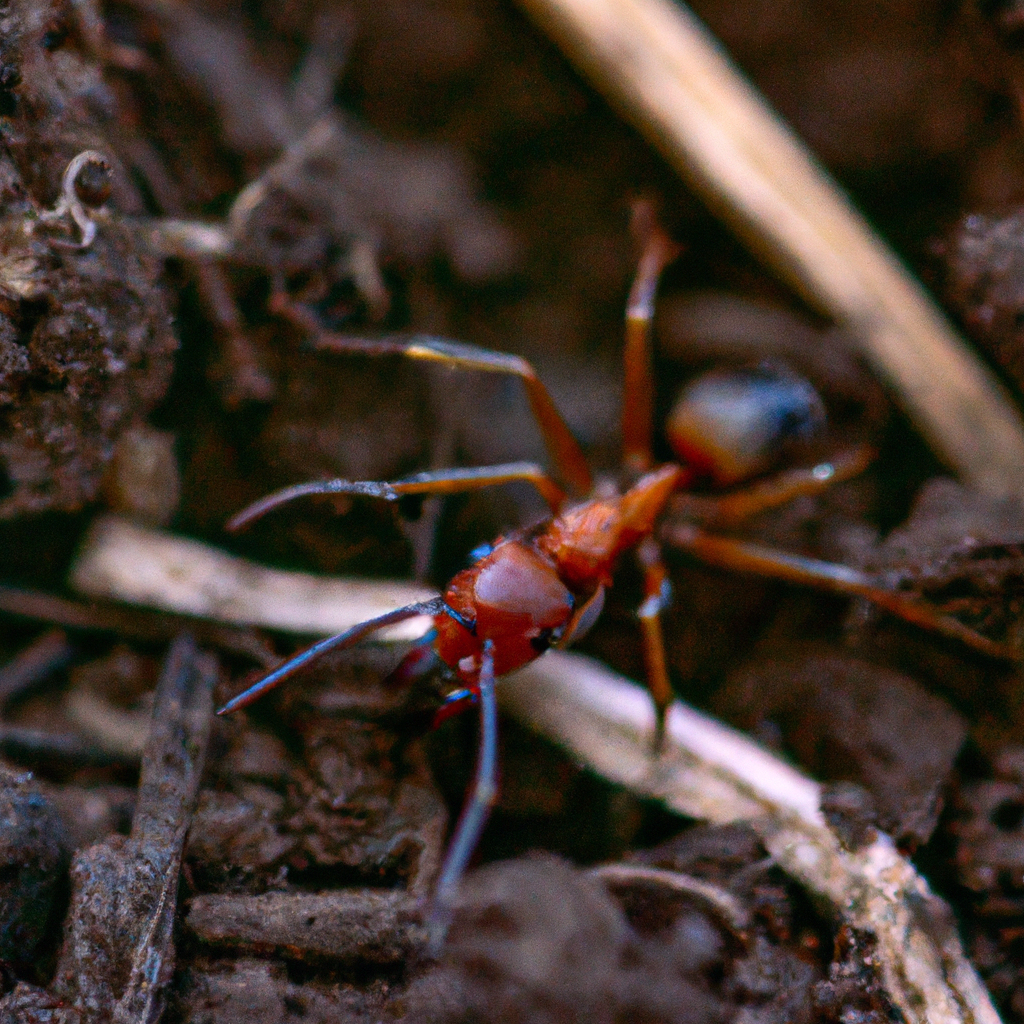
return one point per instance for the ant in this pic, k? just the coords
(543, 586)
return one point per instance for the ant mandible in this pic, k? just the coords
(543, 586)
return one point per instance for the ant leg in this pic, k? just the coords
(729, 509)
(839, 579)
(454, 704)
(563, 448)
(444, 481)
(638, 387)
(657, 594)
(476, 809)
(333, 643)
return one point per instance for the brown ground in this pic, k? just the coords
(467, 183)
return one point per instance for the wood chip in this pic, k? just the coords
(367, 925)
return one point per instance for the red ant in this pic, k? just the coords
(543, 586)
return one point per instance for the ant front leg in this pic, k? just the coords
(564, 449)
(657, 593)
(444, 481)
(476, 809)
(454, 704)
(338, 642)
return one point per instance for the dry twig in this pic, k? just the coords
(31, 747)
(708, 771)
(47, 653)
(132, 622)
(125, 562)
(662, 67)
(722, 903)
(713, 773)
(118, 955)
(367, 925)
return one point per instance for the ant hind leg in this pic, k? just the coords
(743, 556)
(564, 449)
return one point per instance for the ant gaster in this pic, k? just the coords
(544, 586)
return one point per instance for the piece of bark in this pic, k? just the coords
(117, 955)
(378, 926)
(33, 865)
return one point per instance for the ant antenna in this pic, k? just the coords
(337, 642)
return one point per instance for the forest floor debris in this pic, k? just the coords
(387, 167)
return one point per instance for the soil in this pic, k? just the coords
(411, 167)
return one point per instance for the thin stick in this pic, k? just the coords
(722, 902)
(134, 622)
(47, 653)
(122, 561)
(664, 69)
(710, 772)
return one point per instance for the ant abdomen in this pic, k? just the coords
(730, 425)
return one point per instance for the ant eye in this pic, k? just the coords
(543, 640)
(732, 425)
(410, 506)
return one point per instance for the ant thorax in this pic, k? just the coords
(584, 542)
